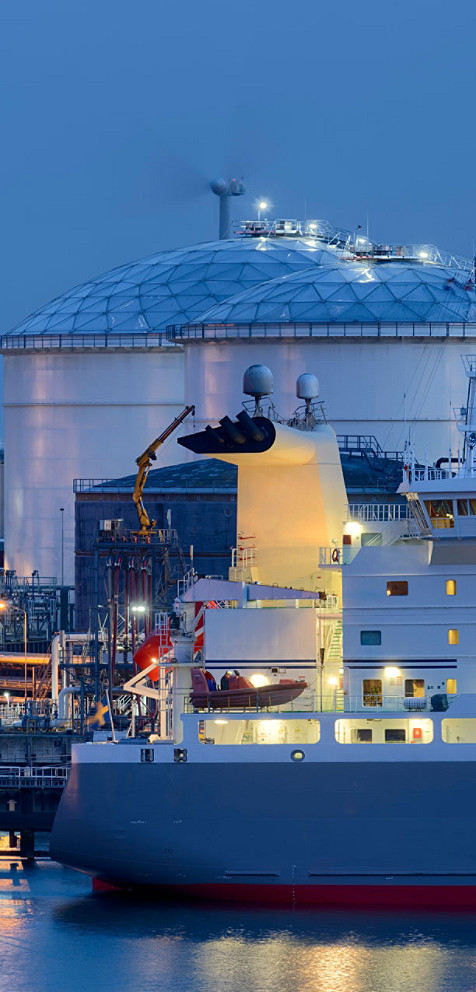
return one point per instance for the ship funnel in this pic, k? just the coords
(307, 387)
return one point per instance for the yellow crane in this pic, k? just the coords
(144, 461)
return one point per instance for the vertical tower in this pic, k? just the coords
(225, 189)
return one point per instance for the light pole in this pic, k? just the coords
(62, 544)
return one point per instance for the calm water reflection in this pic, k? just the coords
(55, 935)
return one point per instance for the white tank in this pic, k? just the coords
(77, 414)
(86, 409)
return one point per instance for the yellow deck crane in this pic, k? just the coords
(144, 462)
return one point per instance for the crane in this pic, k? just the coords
(144, 461)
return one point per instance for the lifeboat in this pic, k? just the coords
(155, 647)
(241, 693)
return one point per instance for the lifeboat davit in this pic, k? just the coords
(241, 693)
(155, 647)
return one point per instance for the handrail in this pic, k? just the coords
(25, 776)
(260, 329)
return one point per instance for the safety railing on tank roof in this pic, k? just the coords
(218, 332)
(74, 341)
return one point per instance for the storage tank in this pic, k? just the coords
(94, 376)
(90, 380)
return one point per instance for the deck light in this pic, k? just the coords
(392, 672)
(258, 680)
(353, 528)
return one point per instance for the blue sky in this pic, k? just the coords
(115, 113)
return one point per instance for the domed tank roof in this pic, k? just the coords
(355, 292)
(173, 286)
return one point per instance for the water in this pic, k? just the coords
(56, 936)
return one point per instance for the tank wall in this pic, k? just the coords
(76, 415)
(362, 384)
(89, 415)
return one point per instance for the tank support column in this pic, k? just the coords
(27, 844)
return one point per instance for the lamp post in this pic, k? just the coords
(262, 205)
(4, 606)
(62, 544)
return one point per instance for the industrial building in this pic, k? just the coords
(92, 377)
(194, 509)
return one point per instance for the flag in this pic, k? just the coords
(99, 715)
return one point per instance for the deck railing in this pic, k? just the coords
(24, 776)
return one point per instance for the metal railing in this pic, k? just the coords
(73, 341)
(331, 702)
(259, 329)
(24, 776)
(378, 512)
(337, 556)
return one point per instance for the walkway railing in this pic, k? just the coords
(43, 777)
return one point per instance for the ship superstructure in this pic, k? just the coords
(320, 799)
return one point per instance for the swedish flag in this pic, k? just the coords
(99, 714)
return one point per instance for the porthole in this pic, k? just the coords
(298, 755)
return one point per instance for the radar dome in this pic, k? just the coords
(307, 386)
(219, 186)
(258, 381)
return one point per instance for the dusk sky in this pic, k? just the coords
(115, 114)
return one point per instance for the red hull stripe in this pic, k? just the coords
(392, 896)
(99, 886)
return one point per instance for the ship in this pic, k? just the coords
(361, 790)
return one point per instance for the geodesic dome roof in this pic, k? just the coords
(173, 286)
(341, 291)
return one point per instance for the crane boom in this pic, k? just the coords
(144, 461)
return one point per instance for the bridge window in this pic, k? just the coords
(451, 587)
(462, 507)
(451, 687)
(440, 512)
(373, 637)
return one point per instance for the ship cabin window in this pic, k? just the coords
(372, 692)
(397, 588)
(451, 687)
(451, 587)
(373, 637)
(409, 730)
(267, 731)
(414, 688)
(466, 507)
(362, 735)
(453, 636)
(440, 512)
(147, 754)
(395, 735)
(461, 731)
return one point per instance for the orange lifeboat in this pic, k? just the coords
(154, 647)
